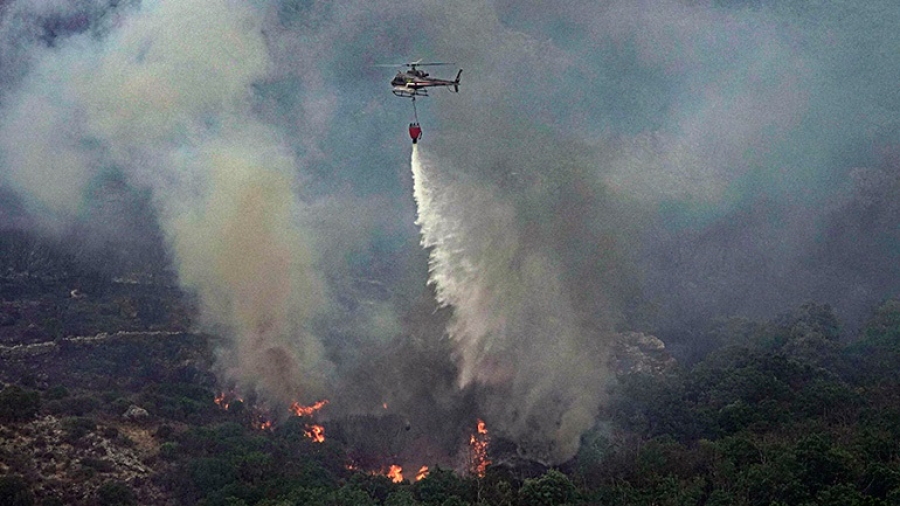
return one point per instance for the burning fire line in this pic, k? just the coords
(394, 472)
(316, 433)
(301, 410)
(312, 431)
(261, 420)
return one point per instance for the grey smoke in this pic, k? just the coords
(603, 161)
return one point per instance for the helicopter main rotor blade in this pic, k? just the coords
(429, 64)
(411, 64)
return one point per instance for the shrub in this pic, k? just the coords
(14, 491)
(115, 493)
(56, 392)
(168, 450)
(76, 427)
(18, 404)
(79, 405)
(100, 465)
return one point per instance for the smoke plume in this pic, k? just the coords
(164, 97)
(606, 165)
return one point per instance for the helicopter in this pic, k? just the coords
(414, 82)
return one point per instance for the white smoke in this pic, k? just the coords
(514, 330)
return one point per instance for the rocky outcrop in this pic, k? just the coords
(639, 353)
(68, 461)
(136, 413)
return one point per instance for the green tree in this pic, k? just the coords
(811, 318)
(211, 474)
(776, 478)
(378, 487)
(883, 327)
(552, 489)
(823, 464)
(351, 495)
(402, 497)
(440, 485)
(874, 358)
(454, 501)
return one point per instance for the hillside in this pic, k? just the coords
(110, 398)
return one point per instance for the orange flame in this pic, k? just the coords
(478, 444)
(262, 424)
(315, 432)
(301, 410)
(423, 472)
(395, 473)
(224, 399)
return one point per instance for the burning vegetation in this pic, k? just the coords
(476, 459)
(221, 402)
(301, 410)
(315, 432)
(395, 473)
(261, 419)
(478, 450)
(226, 399)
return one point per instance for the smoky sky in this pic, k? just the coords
(611, 165)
